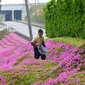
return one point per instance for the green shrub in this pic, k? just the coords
(65, 18)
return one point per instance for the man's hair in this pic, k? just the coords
(40, 31)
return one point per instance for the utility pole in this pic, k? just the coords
(28, 18)
(35, 10)
(0, 5)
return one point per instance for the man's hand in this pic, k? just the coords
(33, 44)
(38, 45)
(43, 43)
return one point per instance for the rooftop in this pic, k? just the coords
(12, 7)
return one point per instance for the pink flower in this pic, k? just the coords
(78, 80)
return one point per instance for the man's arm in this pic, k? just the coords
(33, 42)
(43, 43)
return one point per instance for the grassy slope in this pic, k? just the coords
(39, 72)
(73, 41)
(78, 78)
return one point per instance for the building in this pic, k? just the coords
(11, 12)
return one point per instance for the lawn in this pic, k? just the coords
(73, 41)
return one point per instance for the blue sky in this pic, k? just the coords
(20, 1)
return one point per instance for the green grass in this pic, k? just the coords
(19, 77)
(20, 60)
(74, 77)
(3, 33)
(73, 41)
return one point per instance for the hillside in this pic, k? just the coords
(64, 64)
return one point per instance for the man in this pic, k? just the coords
(36, 43)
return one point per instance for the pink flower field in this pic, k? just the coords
(18, 66)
